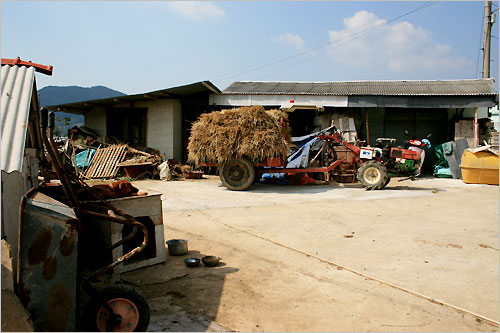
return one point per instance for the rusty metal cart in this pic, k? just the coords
(64, 275)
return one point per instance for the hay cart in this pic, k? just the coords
(239, 173)
(57, 278)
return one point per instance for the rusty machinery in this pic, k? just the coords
(337, 160)
(63, 276)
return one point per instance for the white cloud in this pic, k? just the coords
(292, 40)
(196, 9)
(400, 48)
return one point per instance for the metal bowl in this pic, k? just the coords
(177, 247)
(192, 262)
(210, 261)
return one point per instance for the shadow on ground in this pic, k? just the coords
(293, 189)
(321, 188)
(181, 298)
(412, 188)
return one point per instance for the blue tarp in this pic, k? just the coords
(278, 178)
(83, 158)
(300, 158)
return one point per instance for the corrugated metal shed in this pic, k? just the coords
(17, 89)
(474, 87)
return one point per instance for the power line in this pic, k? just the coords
(352, 37)
(357, 34)
(480, 48)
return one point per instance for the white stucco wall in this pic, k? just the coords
(96, 120)
(164, 127)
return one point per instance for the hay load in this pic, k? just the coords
(247, 131)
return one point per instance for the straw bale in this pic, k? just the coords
(247, 131)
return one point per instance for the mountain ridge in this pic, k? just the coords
(55, 95)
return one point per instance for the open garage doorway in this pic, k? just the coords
(303, 121)
(419, 123)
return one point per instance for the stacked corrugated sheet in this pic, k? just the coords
(105, 162)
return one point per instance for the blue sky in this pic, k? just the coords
(137, 47)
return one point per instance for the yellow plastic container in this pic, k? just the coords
(480, 167)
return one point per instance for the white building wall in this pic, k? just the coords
(177, 130)
(283, 100)
(164, 127)
(96, 120)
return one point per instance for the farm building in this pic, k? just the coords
(162, 119)
(157, 119)
(378, 108)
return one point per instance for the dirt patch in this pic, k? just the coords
(269, 283)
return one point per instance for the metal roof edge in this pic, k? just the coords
(206, 84)
(354, 94)
(358, 81)
(477, 86)
(18, 62)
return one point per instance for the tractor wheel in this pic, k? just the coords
(237, 174)
(387, 182)
(130, 310)
(372, 175)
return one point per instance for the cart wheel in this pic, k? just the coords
(372, 175)
(130, 310)
(237, 174)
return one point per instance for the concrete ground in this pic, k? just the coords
(417, 256)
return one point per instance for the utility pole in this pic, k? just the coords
(488, 23)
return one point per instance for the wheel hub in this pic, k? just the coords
(124, 318)
(372, 175)
(236, 173)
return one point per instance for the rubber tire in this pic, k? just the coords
(125, 291)
(387, 182)
(373, 166)
(237, 174)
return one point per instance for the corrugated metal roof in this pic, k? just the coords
(174, 92)
(17, 88)
(384, 88)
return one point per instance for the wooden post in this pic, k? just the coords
(367, 130)
(476, 130)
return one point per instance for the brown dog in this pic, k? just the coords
(118, 189)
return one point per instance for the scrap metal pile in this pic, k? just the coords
(246, 131)
(94, 159)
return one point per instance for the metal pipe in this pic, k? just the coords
(115, 219)
(301, 170)
(59, 163)
(45, 140)
(124, 240)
